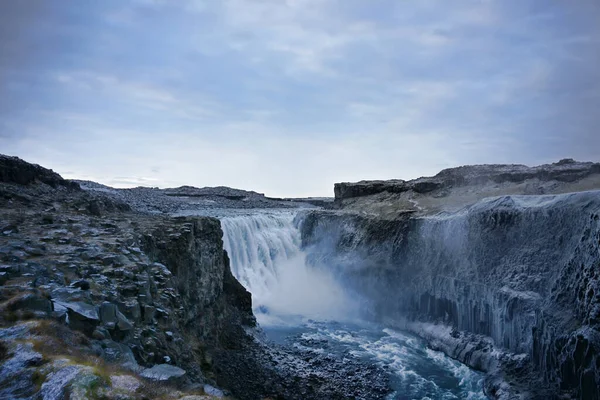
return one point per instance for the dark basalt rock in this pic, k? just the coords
(15, 170)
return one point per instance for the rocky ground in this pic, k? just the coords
(100, 297)
(186, 199)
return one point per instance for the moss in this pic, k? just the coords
(38, 378)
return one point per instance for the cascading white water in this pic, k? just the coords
(265, 254)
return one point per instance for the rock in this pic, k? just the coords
(15, 375)
(108, 314)
(69, 295)
(11, 271)
(149, 312)
(54, 388)
(85, 384)
(213, 391)
(112, 318)
(131, 309)
(100, 334)
(33, 302)
(3, 278)
(455, 188)
(47, 219)
(125, 383)
(118, 353)
(15, 170)
(513, 275)
(81, 316)
(81, 284)
(163, 372)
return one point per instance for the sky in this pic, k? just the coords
(286, 97)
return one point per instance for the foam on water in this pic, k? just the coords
(418, 372)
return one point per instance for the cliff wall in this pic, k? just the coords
(508, 285)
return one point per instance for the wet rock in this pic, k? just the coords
(512, 275)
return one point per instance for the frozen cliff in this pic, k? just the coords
(508, 285)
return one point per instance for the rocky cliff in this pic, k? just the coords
(101, 302)
(508, 285)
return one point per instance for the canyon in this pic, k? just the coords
(172, 293)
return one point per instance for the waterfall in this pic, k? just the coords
(265, 254)
(257, 245)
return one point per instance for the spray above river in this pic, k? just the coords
(306, 307)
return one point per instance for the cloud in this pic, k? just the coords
(287, 97)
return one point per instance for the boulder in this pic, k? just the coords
(163, 373)
(81, 316)
(112, 318)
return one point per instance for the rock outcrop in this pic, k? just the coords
(15, 170)
(454, 188)
(507, 285)
(84, 277)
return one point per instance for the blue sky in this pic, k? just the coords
(287, 97)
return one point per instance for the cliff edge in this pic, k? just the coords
(454, 188)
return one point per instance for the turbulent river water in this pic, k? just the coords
(300, 306)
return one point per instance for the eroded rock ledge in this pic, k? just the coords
(454, 188)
